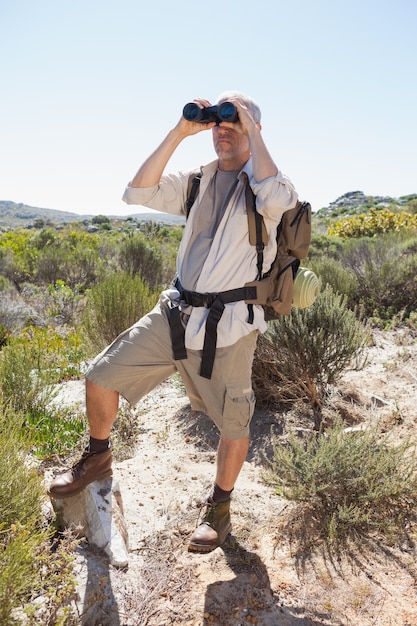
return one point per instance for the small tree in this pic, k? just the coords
(100, 219)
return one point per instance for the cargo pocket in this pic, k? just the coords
(239, 405)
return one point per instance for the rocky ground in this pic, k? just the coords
(261, 575)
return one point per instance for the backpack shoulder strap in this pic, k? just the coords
(192, 190)
(257, 232)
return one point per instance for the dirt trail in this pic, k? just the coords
(258, 577)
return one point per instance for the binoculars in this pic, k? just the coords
(224, 112)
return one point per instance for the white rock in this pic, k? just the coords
(97, 514)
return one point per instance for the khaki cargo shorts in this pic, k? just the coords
(141, 358)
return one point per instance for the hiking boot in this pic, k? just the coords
(92, 466)
(214, 528)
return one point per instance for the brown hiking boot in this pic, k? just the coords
(92, 466)
(214, 528)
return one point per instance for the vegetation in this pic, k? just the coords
(114, 305)
(373, 223)
(377, 274)
(302, 354)
(31, 564)
(67, 292)
(351, 483)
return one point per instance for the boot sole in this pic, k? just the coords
(75, 492)
(205, 548)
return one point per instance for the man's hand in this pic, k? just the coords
(186, 128)
(245, 124)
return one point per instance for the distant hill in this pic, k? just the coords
(354, 202)
(13, 215)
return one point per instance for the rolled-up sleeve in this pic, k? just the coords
(168, 196)
(274, 195)
(139, 195)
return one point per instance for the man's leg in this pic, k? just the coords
(229, 400)
(137, 361)
(102, 406)
(231, 455)
(95, 463)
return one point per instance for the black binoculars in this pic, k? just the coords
(224, 112)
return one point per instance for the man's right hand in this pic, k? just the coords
(192, 128)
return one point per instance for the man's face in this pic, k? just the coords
(231, 146)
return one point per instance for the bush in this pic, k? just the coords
(29, 564)
(30, 365)
(139, 257)
(385, 269)
(16, 312)
(353, 482)
(325, 246)
(20, 487)
(374, 222)
(332, 272)
(114, 305)
(25, 382)
(304, 352)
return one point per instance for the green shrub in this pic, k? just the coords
(20, 487)
(18, 257)
(4, 335)
(30, 367)
(114, 305)
(332, 272)
(63, 303)
(82, 268)
(26, 385)
(137, 256)
(385, 268)
(304, 352)
(325, 246)
(5, 285)
(354, 482)
(29, 564)
(374, 222)
(55, 431)
(33, 362)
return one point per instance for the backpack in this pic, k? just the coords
(286, 284)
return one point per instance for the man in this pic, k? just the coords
(202, 326)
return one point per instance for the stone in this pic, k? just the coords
(97, 514)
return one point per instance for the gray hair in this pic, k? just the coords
(250, 103)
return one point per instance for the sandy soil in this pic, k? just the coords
(260, 576)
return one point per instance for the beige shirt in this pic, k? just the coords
(210, 211)
(231, 260)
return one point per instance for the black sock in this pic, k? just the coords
(220, 495)
(98, 445)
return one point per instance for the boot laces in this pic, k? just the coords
(85, 455)
(207, 513)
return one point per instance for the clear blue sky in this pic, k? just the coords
(89, 88)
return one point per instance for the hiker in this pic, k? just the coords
(201, 326)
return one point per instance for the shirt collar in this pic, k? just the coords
(211, 168)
